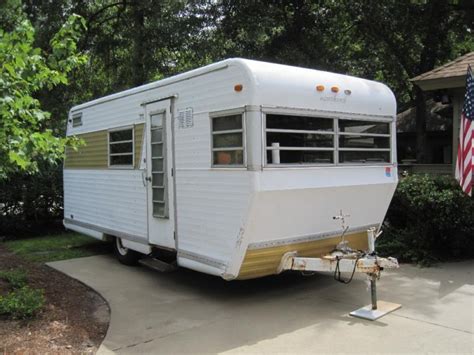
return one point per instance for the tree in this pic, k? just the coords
(26, 70)
(404, 38)
(132, 42)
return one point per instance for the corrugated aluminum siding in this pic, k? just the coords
(212, 203)
(112, 199)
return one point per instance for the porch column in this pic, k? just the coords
(456, 122)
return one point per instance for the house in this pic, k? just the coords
(448, 84)
(439, 145)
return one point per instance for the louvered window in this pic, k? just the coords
(77, 120)
(308, 140)
(299, 139)
(228, 140)
(121, 144)
(364, 141)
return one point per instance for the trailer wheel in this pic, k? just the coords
(124, 255)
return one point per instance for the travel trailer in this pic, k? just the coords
(236, 169)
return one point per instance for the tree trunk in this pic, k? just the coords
(435, 39)
(421, 116)
(139, 46)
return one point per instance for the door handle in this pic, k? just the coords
(145, 178)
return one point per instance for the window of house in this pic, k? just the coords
(77, 120)
(364, 141)
(299, 139)
(121, 148)
(228, 140)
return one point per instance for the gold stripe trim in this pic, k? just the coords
(265, 261)
(93, 154)
(139, 130)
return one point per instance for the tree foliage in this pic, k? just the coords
(24, 136)
(131, 42)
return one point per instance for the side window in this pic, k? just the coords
(364, 141)
(299, 139)
(77, 120)
(227, 140)
(121, 148)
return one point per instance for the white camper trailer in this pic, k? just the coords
(234, 168)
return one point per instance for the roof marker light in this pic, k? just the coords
(320, 88)
(238, 87)
(335, 89)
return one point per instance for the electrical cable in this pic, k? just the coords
(337, 271)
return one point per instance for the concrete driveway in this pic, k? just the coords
(189, 312)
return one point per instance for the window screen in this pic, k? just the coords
(227, 140)
(121, 148)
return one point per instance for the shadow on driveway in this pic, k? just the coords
(190, 312)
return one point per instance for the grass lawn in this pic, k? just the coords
(54, 247)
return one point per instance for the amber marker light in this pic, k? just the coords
(238, 87)
(335, 89)
(320, 88)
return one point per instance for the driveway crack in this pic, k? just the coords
(168, 334)
(432, 323)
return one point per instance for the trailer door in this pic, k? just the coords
(159, 174)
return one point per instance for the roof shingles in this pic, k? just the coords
(455, 69)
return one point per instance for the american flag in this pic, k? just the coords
(464, 163)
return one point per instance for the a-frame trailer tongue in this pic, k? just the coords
(345, 259)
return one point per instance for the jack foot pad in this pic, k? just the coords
(383, 308)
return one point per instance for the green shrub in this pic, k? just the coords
(31, 204)
(22, 303)
(430, 219)
(16, 277)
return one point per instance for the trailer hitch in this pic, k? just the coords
(344, 259)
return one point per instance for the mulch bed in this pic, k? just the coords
(74, 319)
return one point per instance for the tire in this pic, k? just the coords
(124, 255)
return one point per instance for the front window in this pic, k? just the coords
(299, 140)
(227, 140)
(364, 141)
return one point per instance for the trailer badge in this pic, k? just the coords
(341, 100)
(388, 172)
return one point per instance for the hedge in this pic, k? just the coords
(430, 219)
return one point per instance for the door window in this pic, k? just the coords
(158, 165)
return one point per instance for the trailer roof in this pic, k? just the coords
(275, 82)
